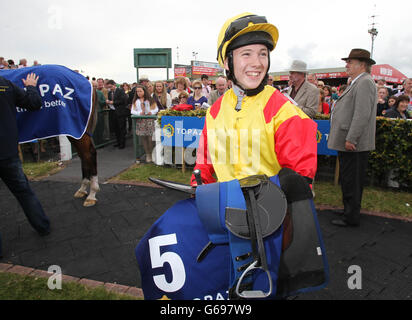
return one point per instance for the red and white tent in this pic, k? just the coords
(379, 71)
(388, 73)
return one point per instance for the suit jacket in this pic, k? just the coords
(307, 98)
(354, 116)
(214, 95)
(120, 99)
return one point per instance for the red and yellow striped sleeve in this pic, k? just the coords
(203, 162)
(295, 135)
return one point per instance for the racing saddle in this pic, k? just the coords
(271, 227)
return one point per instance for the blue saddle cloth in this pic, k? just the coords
(167, 253)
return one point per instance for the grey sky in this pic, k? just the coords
(98, 37)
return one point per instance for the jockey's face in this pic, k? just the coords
(250, 64)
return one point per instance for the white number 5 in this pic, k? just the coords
(176, 264)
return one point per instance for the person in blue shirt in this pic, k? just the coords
(197, 99)
(11, 171)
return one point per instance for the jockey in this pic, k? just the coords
(254, 234)
(253, 129)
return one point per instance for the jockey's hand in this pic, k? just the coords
(31, 80)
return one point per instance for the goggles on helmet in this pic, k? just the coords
(237, 26)
(240, 24)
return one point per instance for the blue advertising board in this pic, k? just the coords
(322, 138)
(186, 131)
(181, 131)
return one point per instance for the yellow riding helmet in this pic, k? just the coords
(242, 24)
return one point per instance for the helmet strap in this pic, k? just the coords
(230, 74)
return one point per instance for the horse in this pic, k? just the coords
(87, 152)
(62, 87)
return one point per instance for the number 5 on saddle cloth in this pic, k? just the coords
(239, 239)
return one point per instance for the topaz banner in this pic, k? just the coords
(186, 131)
(181, 131)
(66, 103)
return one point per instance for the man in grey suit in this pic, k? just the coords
(305, 94)
(352, 133)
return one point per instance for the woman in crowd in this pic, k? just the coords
(399, 109)
(149, 87)
(126, 87)
(182, 104)
(335, 94)
(180, 87)
(323, 106)
(144, 105)
(391, 101)
(197, 99)
(328, 95)
(382, 103)
(161, 97)
(183, 96)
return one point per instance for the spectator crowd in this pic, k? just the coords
(392, 102)
(147, 98)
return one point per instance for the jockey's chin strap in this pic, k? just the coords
(241, 227)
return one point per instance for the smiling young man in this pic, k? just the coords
(253, 129)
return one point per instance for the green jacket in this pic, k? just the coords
(101, 100)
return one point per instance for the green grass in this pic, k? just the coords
(37, 170)
(19, 287)
(141, 173)
(374, 199)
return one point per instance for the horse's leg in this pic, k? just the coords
(94, 188)
(82, 192)
(94, 181)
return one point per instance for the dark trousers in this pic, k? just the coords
(120, 128)
(11, 172)
(352, 172)
(112, 122)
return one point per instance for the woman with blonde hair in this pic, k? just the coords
(149, 87)
(161, 97)
(197, 99)
(323, 106)
(144, 105)
(181, 86)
